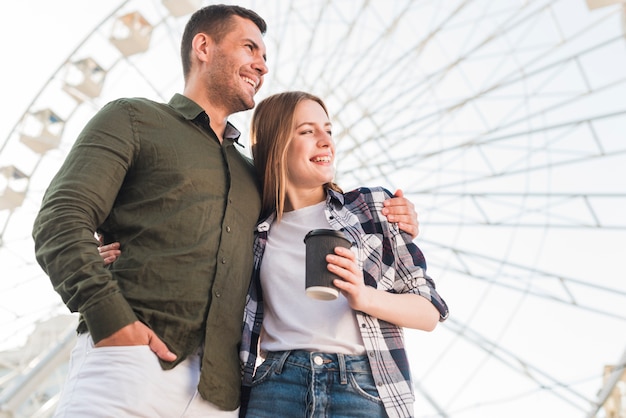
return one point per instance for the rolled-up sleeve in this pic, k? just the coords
(76, 202)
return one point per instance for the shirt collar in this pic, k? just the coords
(191, 111)
(331, 197)
(264, 225)
(336, 196)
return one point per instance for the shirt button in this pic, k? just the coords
(223, 260)
(318, 360)
(228, 229)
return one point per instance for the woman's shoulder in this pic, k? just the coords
(367, 200)
(368, 194)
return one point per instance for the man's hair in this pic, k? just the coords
(216, 21)
(271, 132)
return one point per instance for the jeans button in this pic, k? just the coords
(318, 360)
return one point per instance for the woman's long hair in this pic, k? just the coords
(271, 131)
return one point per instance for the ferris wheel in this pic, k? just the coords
(504, 122)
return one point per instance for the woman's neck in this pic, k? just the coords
(298, 199)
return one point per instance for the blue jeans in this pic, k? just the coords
(303, 384)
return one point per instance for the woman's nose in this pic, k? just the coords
(325, 139)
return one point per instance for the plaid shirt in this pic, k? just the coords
(390, 261)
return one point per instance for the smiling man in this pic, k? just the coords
(162, 324)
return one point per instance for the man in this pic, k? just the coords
(167, 182)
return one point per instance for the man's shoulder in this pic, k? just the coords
(133, 103)
(136, 107)
(139, 102)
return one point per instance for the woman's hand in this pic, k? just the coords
(352, 286)
(109, 252)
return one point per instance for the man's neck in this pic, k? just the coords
(217, 117)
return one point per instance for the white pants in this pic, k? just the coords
(118, 382)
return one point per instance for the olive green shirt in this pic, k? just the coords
(183, 206)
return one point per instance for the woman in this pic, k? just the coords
(341, 358)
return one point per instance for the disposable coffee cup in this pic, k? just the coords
(319, 281)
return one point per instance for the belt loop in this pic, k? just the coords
(342, 369)
(281, 361)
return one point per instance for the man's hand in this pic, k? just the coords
(400, 210)
(138, 333)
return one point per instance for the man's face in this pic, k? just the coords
(238, 67)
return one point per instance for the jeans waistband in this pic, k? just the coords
(318, 361)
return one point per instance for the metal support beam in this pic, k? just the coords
(609, 385)
(39, 369)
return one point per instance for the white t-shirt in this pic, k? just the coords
(292, 320)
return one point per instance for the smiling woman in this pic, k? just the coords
(382, 280)
(502, 121)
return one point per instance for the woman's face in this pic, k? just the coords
(310, 154)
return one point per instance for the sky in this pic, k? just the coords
(38, 35)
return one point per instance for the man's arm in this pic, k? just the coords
(77, 201)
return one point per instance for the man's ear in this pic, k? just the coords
(202, 47)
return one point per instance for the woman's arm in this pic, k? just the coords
(109, 252)
(405, 310)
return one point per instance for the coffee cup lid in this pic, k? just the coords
(331, 232)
